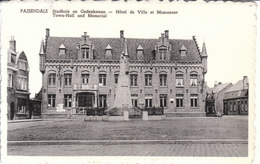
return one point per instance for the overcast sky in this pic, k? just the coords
(228, 31)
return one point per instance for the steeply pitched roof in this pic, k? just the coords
(220, 87)
(117, 44)
(213, 92)
(239, 85)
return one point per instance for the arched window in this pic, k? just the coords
(102, 78)
(52, 78)
(162, 52)
(85, 51)
(179, 79)
(193, 79)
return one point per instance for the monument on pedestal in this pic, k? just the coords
(123, 95)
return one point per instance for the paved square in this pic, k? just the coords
(198, 136)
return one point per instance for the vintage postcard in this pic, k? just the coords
(128, 82)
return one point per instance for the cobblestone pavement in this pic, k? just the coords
(200, 150)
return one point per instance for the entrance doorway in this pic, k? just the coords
(86, 99)
(12, 111)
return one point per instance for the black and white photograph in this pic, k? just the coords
(92, 82)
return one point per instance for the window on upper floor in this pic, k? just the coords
(148, 79)
(193, 79)
(22, 82)
(85, 78)
(102, 79)
(52, 79)
(85, 52)
(67, 79)
(163, 79)
(10, 80)
(133, 79)
(116, 78)
(162, 53)
(179, 79)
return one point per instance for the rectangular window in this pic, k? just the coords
(148, 100)
(85, 53)
(179, 100)
(51, 100)
(67, 79)
(163, 100)
(194, 100)
(234, 107)
(102, 101)
(102, 79)
(84, 78)
(179, 80)
(193, 80)
(134, 100)
(52, 79)
(148, 79)
(22, 82)
(10, 80)
(116, 78)
(133, 79)
(163, 80)
(67, 100)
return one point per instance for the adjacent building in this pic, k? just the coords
(236, 98)
(214, 99)
(17, 85)
(82, 72)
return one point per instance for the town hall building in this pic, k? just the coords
(82, 72)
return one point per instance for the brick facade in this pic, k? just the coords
(162, 72)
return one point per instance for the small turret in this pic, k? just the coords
(42, 58)
(204, 57)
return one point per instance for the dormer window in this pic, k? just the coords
(140, 53)
(85, 52)
(163, 52)
(62, 49)
(108, 52)
(183, 50)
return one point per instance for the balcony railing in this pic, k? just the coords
(85, 87)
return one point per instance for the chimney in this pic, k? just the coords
(12, 44)
(219, 83)
(121, 33)
(216, 84)
(244, 77)
(47, 32)
(166, 32)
